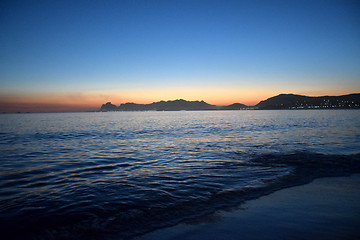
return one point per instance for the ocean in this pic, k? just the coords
(116, 175)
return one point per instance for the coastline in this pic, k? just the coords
(326, 208)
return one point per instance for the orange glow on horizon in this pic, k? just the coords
(220, 97)
(92, 101)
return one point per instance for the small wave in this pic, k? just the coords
(87, 220)
(313, 164)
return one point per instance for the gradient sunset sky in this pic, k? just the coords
(77, 55)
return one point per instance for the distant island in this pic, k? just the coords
(175, 105)
(282, 101)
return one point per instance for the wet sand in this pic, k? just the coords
(327, 208)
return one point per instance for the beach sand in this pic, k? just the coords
(327, 208)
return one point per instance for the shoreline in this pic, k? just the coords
(325, 208)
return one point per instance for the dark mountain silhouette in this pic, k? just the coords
(134, 107)
(176, 105)
(282, 101)
(108, 107)
(292, 101)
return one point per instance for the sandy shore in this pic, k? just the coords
(327, 208)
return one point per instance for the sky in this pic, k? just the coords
(77, 55)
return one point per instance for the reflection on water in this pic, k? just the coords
(90, 174)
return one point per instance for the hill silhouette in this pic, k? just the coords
(292, 101)
(174, 105)
(282, 101)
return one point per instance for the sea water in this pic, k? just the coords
(116, 175)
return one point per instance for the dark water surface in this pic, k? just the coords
(119, 174)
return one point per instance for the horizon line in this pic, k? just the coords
(78, 106)
(178, 99)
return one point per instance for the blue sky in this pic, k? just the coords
(124, 50)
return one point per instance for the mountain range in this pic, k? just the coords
(292, 101)
(282, 101)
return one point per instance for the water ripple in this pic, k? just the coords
(92, 175)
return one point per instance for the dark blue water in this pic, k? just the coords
(120, 174)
